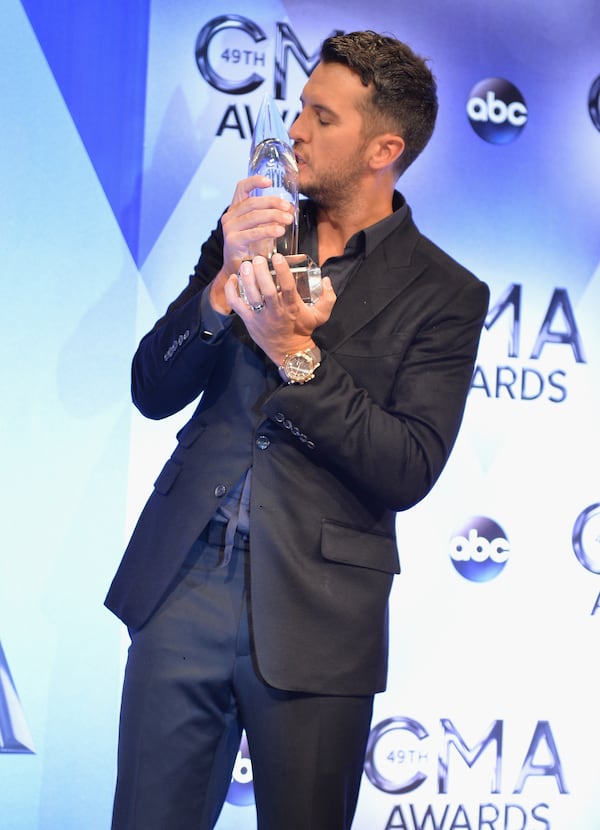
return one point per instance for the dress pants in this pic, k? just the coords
(190, 688)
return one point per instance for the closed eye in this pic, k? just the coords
(325, 116)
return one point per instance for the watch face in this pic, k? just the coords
(298, 367)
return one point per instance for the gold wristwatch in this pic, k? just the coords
(298, 367)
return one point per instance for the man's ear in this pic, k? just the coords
(385, 150)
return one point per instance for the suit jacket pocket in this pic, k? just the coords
(167, 477)
(353, 546)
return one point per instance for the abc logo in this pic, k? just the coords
(594, 103)
(241, 788)
(479, 550)
(496, 110)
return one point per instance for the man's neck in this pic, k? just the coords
(335, 226)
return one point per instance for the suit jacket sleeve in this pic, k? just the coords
(174, 361)
(385, 407)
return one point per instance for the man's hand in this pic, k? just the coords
(248, 221)
(282, 322)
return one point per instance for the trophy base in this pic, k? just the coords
(306, 273)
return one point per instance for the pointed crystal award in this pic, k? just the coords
(271, 155)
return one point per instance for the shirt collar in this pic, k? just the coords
(367, 238)
(375, 234)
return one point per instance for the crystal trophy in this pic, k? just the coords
(271, 155)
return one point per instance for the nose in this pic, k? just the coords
(295, 131)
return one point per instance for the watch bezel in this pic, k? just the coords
(292, 373)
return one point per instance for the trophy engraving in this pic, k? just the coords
(271, 155)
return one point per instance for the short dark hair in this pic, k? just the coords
(404, 97)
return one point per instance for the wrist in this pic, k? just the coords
(216, 294)
(292, 347)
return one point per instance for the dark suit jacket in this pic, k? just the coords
(333, 460)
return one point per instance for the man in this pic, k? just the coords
(255, 585)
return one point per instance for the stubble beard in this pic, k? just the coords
(329, 192)
(335, 187)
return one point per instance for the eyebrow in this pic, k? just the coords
(319, 107)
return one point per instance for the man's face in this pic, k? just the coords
(329, 136)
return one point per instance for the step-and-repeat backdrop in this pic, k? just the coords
(123, 130)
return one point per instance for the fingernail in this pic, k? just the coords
(276, 259)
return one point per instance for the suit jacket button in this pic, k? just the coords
(220, 490)
(262, 442)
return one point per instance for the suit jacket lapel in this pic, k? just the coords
(382, 276)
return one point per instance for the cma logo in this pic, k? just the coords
(398, 756)
(558, 327)
(586, 543)
(479, 550)
(229, 48)
(594, 103)
(496, 110)
(586, 538)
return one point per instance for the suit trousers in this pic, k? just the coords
(191, 686)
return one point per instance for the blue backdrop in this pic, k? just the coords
(124, 128)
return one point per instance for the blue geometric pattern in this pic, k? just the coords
(14, 733)
(98, 56)
(100, 59)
